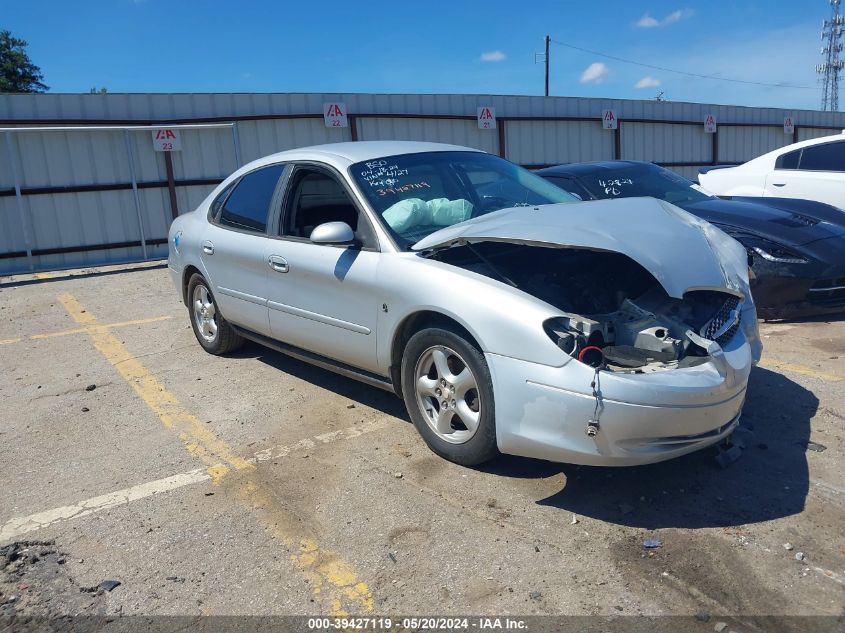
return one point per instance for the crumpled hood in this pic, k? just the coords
(681, 251)
(790, 222)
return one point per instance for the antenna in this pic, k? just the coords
(830, 68)
(544, 57)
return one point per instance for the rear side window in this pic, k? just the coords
(827, 157)
(246, 207)
(788, 160)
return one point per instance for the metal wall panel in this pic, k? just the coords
(435, 130)
(738, 144)
(99, 158)
(82, 259)
(662, 143)
(205, 153)
(88, 218)
(61, 159)
(157, 107)
(805, 134)
(261, 138)
(11, 230)
(555, 142)
(690, 173)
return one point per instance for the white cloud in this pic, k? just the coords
(594, 73)
(493, 56)
(648, 22)
(647, 82)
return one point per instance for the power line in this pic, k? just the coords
(680, 72)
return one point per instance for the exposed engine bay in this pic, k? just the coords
(616, 314)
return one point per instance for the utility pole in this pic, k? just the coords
(832, 65)
(548, 39)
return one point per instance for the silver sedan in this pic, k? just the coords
(509, 316)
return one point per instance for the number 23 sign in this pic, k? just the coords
(166, 140)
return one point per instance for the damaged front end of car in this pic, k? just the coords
(653, 316)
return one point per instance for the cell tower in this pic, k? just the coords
(831, 66)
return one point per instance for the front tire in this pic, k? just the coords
(448, 392)
(213, 332)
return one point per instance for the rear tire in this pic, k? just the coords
(213, 332)
(448, 392)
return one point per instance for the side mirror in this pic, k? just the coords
(332, 233)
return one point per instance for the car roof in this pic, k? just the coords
(581, 169)
(342, 155)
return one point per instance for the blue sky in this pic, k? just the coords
(426, 46)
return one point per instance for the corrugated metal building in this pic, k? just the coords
(84, 197)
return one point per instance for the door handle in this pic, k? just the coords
(278, 263)
(208, 247)
(779, 184)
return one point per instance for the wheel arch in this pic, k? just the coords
(189, 271)
(413, 323)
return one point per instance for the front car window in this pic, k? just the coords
(418, 194)
(643, 180)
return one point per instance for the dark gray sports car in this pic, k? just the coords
(796, 247)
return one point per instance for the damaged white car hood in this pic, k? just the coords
(682, 251)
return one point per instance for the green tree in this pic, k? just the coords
(98, 91)
(17, 72)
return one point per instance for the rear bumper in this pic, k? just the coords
(543, 412)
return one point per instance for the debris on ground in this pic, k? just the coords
(37, 582)
(574, 520)
(728, 456)
(535, 595)
(652, 543)
(109, 585)
(702, 616)
(392, 556)
(720, 626)
(816, 447)
(90, 387)
(397, 475)
(787, 547)
(799, 556)
(350, 405)
(742, 437)
(491, 502)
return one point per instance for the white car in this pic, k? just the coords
(813, 170)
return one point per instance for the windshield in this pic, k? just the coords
(418, 194)
(643, 180)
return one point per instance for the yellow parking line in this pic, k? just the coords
(87, 329)
(773, 363)
(104, 326)
(327, 574)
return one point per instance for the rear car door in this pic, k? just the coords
(815, 172)
(324, 298)
(234, 245)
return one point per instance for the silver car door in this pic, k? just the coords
(233, 248)
(324, 298)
